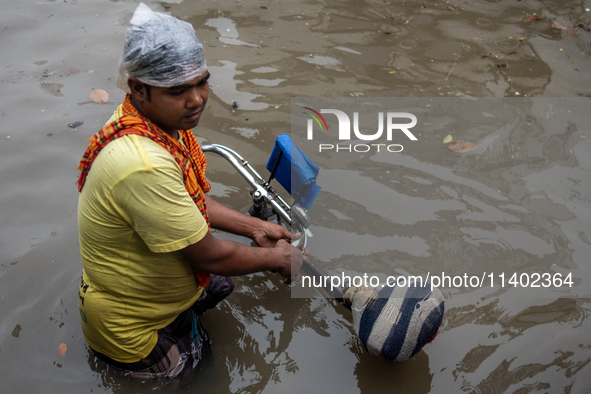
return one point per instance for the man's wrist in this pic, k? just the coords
(255, 227)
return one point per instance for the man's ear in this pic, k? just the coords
(138, 89)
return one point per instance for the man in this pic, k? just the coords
(151, 266)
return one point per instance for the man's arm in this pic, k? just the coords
(228, 258)
(226, 219)
(159, 208)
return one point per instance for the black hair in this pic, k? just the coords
(148, 92)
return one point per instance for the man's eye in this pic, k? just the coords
(176, 92)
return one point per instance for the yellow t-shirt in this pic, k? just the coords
(134, 215)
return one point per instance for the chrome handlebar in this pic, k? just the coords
(263, 189)
(295, 216)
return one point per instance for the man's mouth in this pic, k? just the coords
(194, 115)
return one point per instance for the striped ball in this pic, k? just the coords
(395, 322)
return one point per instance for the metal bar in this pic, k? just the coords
(271, 199)
(247, 165)
(244, 161)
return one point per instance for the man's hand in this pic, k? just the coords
(268, 234)
(291, 260)
(228, 258)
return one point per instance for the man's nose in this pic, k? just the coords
(195, 98)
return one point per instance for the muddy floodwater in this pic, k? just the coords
(511, 76)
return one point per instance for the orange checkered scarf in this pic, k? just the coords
(189, 157)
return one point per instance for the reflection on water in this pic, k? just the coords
(227, 30)
(225, 86)
(325, 61)
(520, 203)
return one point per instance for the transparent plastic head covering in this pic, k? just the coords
(160, 50)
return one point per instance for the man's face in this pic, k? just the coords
(178, 107)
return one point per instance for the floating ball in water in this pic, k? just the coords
(395, 322)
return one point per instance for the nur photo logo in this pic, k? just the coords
(393, 125)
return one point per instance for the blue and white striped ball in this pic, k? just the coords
(395, 322)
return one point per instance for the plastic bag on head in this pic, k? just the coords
(160, 50)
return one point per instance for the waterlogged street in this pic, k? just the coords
(496, 187)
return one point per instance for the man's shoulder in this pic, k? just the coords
(130, 155)
(133, 153)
